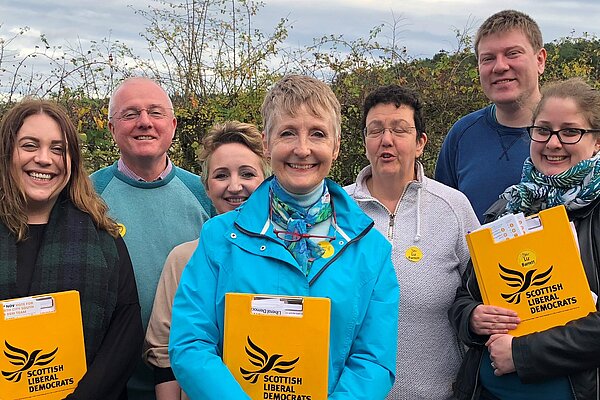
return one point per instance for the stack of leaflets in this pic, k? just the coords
(513, 225)
(532, 265)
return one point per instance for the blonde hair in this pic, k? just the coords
(13, 202)
(293, 91)
(508, 20)
(232, 132)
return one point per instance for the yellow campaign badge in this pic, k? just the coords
(413, 253)
(327, 248)
(122, 230)
(527, 258)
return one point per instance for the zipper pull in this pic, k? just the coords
(390, 233)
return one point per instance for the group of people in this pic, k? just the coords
(153, 249)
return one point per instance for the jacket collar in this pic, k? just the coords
(360, 191)
(254, 213)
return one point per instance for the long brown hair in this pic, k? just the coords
(13, 202)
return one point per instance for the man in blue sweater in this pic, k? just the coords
(484, 151)
(157, 204)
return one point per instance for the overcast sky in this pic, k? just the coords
(426, 25)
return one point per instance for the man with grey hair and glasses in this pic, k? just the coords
(157, 204)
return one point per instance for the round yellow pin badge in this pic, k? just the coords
(527, 258)
(327, 248)
(122, 230)
(413, 253)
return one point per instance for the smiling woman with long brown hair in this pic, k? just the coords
(55, 236)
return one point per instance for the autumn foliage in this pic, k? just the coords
(217, 67)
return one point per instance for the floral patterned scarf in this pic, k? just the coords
(288, 213)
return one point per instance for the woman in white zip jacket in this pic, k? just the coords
(426, 222)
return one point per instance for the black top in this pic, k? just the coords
(113, 364)
(27, 251)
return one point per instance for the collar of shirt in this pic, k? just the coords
(130, 174)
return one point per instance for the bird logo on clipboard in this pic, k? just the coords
(25, 360)
(514, 278)
(265, 363)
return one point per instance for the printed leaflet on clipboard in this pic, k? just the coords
(43, 354)
(538, 274)
(277, 345)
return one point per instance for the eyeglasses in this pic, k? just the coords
(398, 131)
(542, 134)
(296, 236)
(134, 113)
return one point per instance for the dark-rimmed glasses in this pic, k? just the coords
(134, 113)
(543, 134)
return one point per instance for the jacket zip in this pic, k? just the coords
(390, 233)
(335, 257)
(358, 237)
(572, 388)
(477, 378)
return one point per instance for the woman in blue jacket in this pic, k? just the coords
(275, 244)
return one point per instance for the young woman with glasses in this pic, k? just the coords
(563, 168)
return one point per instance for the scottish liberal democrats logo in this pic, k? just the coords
(24, 360)
(265, 363)
(517, 279)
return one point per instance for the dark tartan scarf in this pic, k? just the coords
(73, 255)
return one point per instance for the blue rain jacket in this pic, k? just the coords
(238, 252)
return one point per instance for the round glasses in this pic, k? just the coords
(542, 134)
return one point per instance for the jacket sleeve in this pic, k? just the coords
(466, 299)
(370, 368)
(558, 351)
(194, 343)
(445, 168)
(121, 347)
(466, 222)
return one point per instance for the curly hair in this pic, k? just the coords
(398, 96)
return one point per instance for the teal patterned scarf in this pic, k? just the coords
(576, 187)
(295, 218)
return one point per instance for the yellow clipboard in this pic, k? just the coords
(43, 353)
(539, 274)
(277, 347)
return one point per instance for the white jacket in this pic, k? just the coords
(428, 226)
